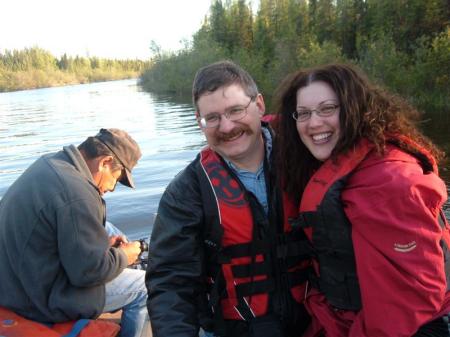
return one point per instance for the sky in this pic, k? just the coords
(116, 29)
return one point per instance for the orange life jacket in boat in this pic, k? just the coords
(13, 325)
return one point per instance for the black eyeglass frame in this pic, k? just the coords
(319, 110)
(227, 115)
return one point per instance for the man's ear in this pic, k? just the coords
(197, 117)
(105, 161)
(259, 100)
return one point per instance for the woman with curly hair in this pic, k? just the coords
(370, 204)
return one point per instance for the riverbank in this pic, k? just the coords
(34, 68)
(36, 79)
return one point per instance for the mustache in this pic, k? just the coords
(233, 133)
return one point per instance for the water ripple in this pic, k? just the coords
(36, 122)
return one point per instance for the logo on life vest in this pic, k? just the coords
(225, 186)
(405, 248)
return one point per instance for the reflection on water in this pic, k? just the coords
(35, 122)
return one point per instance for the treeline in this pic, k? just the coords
(37, 68)
(402, 44)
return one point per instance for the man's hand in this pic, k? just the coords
(132, 250)
(117, 240)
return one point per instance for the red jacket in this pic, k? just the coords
(393, 208)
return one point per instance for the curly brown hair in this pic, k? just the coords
(366, 111)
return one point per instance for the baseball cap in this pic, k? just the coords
(124, 148)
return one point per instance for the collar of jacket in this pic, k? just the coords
(80, 164)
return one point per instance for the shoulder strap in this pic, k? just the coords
(212, 231)
(77, 327)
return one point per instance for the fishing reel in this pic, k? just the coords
(141, 262)
(143, 245)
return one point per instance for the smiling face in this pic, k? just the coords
(239, 141)
(319, 134)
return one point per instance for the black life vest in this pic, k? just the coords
(322, 212)
(251, 263)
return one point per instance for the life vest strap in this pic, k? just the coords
(243, 250)
(248, 270)
(287, 246)
(77, 327)
(295, 277)
(304, 219)
(255, 287)
(302, 249)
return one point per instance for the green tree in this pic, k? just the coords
(324, 20)
(218, 24)
(350, 15)
(401, 43)
(240, 25)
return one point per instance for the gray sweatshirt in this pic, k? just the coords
(54, 251)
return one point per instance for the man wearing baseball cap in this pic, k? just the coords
(58, 263)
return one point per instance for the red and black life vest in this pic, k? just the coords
(249, 258)
(323, 217)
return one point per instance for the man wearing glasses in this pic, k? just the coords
(223, 254)
(58, 263)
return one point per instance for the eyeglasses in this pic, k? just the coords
(324, 110)
(212, 120)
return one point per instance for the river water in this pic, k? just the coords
(35, 122)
